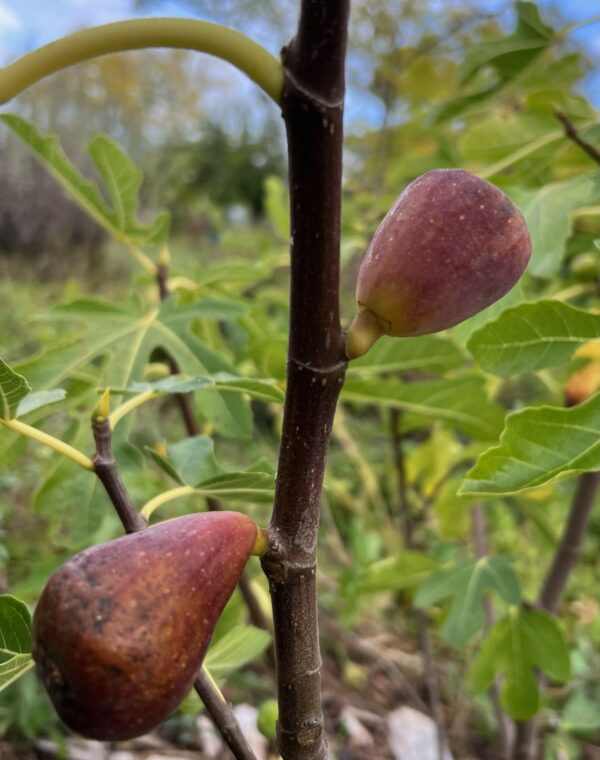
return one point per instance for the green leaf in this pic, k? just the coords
(532, 336)
(75, 503)
(510, 55)
(255, 487)
(235, 649)
(461, 402)
(468, 582)
(122, 180)
(194, 459)
(126, 337)
(428, 353)
(516, 645)
(258, 388)
(37, 400)
(538, 446)
(581, 715)
(15, 640)
(165, 465)
(13, 388)
(548, 213)
(277, 206)
(394, 573)
(499, 136)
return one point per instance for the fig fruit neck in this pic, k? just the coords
(364, 331)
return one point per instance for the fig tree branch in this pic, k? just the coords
(573, 134)
(136, 34)
(106, 468)
(312, 105)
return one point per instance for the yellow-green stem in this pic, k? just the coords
(365, 329)
(261, 545)
(130, 405)
(137, 254)
(49, 440)
(246, 55)
(163, 498)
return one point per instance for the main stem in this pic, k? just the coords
(312, 107)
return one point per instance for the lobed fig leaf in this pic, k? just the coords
(451, 245)
(121, 629)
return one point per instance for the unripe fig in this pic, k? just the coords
(451, 245)
(121, 629)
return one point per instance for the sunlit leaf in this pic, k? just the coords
(539, 445)
(122, 180)
(532, 336)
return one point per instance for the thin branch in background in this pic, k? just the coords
(107, 471)
(565, 558)
(184, 401)
(505, 726)
(572, 133)
(404, 509)
(569, 549)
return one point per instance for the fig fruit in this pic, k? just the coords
(121, 629)
(451, 245)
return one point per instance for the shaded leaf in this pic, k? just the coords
(13, 389)
(193, 459)
(15, 640)
(428, 353)
(467, 583)
(235, 649)
(460, 402)
(394, 573)
(516, 645)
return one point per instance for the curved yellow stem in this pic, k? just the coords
(129, 405)
(246, 55)
(49, 440)
(163, 498)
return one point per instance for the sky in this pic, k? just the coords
(26, 24)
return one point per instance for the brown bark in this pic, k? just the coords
(312, 107)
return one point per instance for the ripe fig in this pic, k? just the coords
(451, 245)
(121, 629)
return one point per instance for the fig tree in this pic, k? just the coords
(450, 246)
(121, 629)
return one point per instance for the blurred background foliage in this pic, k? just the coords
(430, 85)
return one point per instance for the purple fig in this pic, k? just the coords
(450, 246)
(121, 629)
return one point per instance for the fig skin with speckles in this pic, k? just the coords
(451, 245)
(121, 629)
